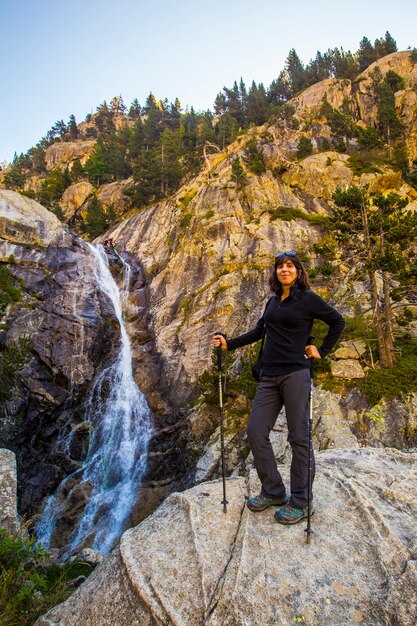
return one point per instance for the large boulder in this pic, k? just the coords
(8, 491)
(64, 153)
(239, 568)
(25, 221)
(112, 195)
(74, 197)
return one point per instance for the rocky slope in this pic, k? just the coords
(240, 568)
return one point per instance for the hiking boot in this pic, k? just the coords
(261, 502)
(291, 515)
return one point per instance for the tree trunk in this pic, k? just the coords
(388, 317)
(385, 351)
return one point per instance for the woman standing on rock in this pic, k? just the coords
(285, 381)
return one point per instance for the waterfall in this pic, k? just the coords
(120, 432)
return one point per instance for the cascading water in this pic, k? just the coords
(120, 432)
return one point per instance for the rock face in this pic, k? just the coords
(25, 221)
(8, 491)
(63, 154)
(70, 322)
(112, 197)
(74, 197)
(207, 255)
(240, 568)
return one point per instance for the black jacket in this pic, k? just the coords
(288, 327)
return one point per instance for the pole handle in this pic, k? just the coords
(219, 355)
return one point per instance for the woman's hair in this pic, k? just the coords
(301, 281)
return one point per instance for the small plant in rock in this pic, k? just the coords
(239, 174)
(305, 147)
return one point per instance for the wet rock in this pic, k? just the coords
(79, 440)
(88, 555)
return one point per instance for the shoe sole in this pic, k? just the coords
(291, 522)
(263, 508)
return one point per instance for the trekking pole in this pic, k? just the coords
(219, 370)
(310, 447)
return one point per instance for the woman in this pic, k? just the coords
(285, 381)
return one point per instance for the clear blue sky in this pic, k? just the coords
(60, 57)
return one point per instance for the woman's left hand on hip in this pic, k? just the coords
(312, 352)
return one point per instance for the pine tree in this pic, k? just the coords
(220, 105)
(147, 174)
(77, 171)
(388, 120)
(95, 220)
(279, 90)
(54, 186)
(135, 109)
(96, 166)
(257, 105)
(342, 127)
(103, 120)
(366, 54)
(171, 152)
(136, 139)
(14, 178)
(295, 72)
(226, 130)
(37, 157)
(390, 44)
(72, 128)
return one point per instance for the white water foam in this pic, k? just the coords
(117, 455)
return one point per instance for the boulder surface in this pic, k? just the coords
(8, 486)
(191, 563)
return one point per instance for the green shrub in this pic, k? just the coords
(293, 213)
(391, 382)
(12, 360)
(325, 269)
(209, 214)
(28, 587)
(185, 220)
(368, 137)
(185, 200)
(8, 291)
(305, 147)
(254, 158)
(365, 162)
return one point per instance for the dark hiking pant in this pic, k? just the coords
(274, 392)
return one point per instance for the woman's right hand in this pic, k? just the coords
(219, 340)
